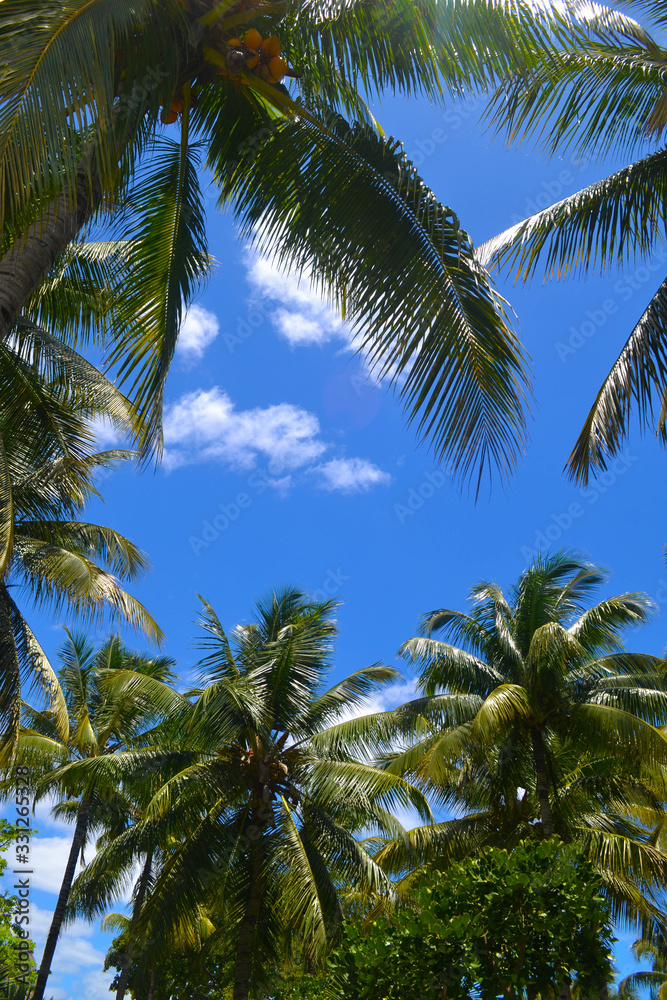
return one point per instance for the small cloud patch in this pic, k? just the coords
(199, 329)
(350, 475)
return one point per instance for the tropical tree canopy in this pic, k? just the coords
(536, 721)
(105, 715)
(530, 922)
(48, 463)
(653, 981)
(261, 797)
(310, 175)
(596, 90)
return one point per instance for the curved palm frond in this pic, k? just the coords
(637, 383)
(456, 363)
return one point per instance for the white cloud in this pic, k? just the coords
(307, 318)
(48, 857)
(199, 328)
(205, 426)
(388, 698)
(304, 317)
(351, 475)
(299, 330)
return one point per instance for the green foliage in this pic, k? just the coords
(653, 982)
(535, 720)
(48, 464)
(17, 968)
(593, 92)
(313, 188)
(188, 976)
(204, 975)
(500, 923)
(301, 986)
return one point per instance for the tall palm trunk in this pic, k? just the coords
(564, 989)
(144, 879)
(78, 840)
(151, 988)
(542, 783)
(248, 925)
(10, 680)
(27, 263)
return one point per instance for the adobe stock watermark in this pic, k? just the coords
(256, 314)
(228, 513)
(22, 871)
(624, 288)
(418, 496)
(331, 585)
(550, 191)
(561, 522)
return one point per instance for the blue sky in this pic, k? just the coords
(285, 463)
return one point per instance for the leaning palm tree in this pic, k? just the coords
(82, 102)
(596, 92)
(535, 721)
(266, 800)
(103, 717)
(131, 841)
(48, 463)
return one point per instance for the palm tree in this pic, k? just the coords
(104, 718)
(266, 798)
(598, 91)
(81, 100)
(48, 462)
(131, 839)
(535, 721)
(654, 981)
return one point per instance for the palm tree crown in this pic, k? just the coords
(48, 462)
(82, 106)
(535, 721)
(264, 799)
(105, 714)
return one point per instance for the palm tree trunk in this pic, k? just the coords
(24, 267)
(136, 910)
(564, 990)
(541, 783)
(63, 896)
(248, 925)
(151, 988)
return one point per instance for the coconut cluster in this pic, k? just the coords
(256, 55)
(234, 57)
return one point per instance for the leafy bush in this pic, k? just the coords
(514, 923)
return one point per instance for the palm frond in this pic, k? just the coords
(64, 577)
(637, 382)
(169, 261)
(603, 225)
(437, 330)
(6, 512)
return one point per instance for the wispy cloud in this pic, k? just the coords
(206, 426)
(305, 318)
(199, 329)
(350, 475)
